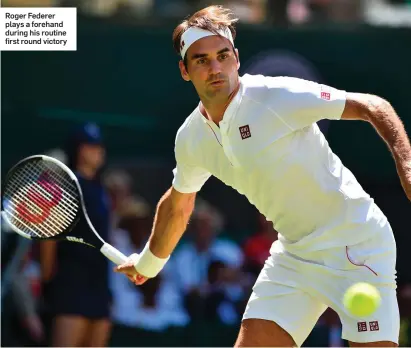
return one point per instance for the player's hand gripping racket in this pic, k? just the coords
(42, 199)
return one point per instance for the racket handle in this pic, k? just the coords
(113, 254)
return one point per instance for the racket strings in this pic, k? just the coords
(64, 206)
(72, 200)
(50, 225)
(42, 199)
(62, 175)
(68, 204)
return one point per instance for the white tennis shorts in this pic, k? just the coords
(294, 290)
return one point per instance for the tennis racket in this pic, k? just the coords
(42, 200)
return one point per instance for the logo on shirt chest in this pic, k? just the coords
(245, 132)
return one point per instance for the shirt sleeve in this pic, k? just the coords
(301, 103)
(188, 177)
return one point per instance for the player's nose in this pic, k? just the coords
(215, 67)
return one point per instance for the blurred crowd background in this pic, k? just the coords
(121, 99)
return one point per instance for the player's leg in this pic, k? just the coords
(278, 316)
(69, 331)
(263, 333)
(279, 312)
(99, 333)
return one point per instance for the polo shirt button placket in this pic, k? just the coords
(226, 143)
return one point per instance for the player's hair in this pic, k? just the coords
(212, 18)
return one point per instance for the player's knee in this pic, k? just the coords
(259, 333)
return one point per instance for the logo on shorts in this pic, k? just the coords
(245, 132)
(374, 326)
(362, 326)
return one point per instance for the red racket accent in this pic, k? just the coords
(38, 198)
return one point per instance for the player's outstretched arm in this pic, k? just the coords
(385, 120)
(172, 215)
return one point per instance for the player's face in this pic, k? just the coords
(92, 155)
(212, 67)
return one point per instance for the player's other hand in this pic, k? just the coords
(129, 270)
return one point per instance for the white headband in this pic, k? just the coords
(193, 34)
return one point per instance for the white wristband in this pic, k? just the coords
(149, 265)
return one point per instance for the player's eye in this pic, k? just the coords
(224, 56)
(201, 61)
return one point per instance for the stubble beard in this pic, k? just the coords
(217, 95)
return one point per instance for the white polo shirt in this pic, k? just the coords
(269, 148)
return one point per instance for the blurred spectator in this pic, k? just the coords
(139, 8)
(274, 12)
(133, 226)
(208, 264)
(298, 12)
(119, 186)
(387, 13)
(100, 8)
(404, 302)
(249, 11)
(323, 11)
(27, 309)
(257, 247)
(23, 325)
(30, 3)
(156, 305)
(75, 278)
(224, 299)
(337, 11)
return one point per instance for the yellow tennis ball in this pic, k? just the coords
(362, 299)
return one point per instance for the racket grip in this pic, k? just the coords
(113, 254)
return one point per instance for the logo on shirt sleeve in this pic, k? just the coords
(245, 132)
(324, 94)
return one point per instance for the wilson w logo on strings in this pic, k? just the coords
(45, 195)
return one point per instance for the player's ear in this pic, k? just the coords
(238, 58)
(183, 71)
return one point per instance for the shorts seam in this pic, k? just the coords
(358, 264)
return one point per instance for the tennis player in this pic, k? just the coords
(259, 135)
